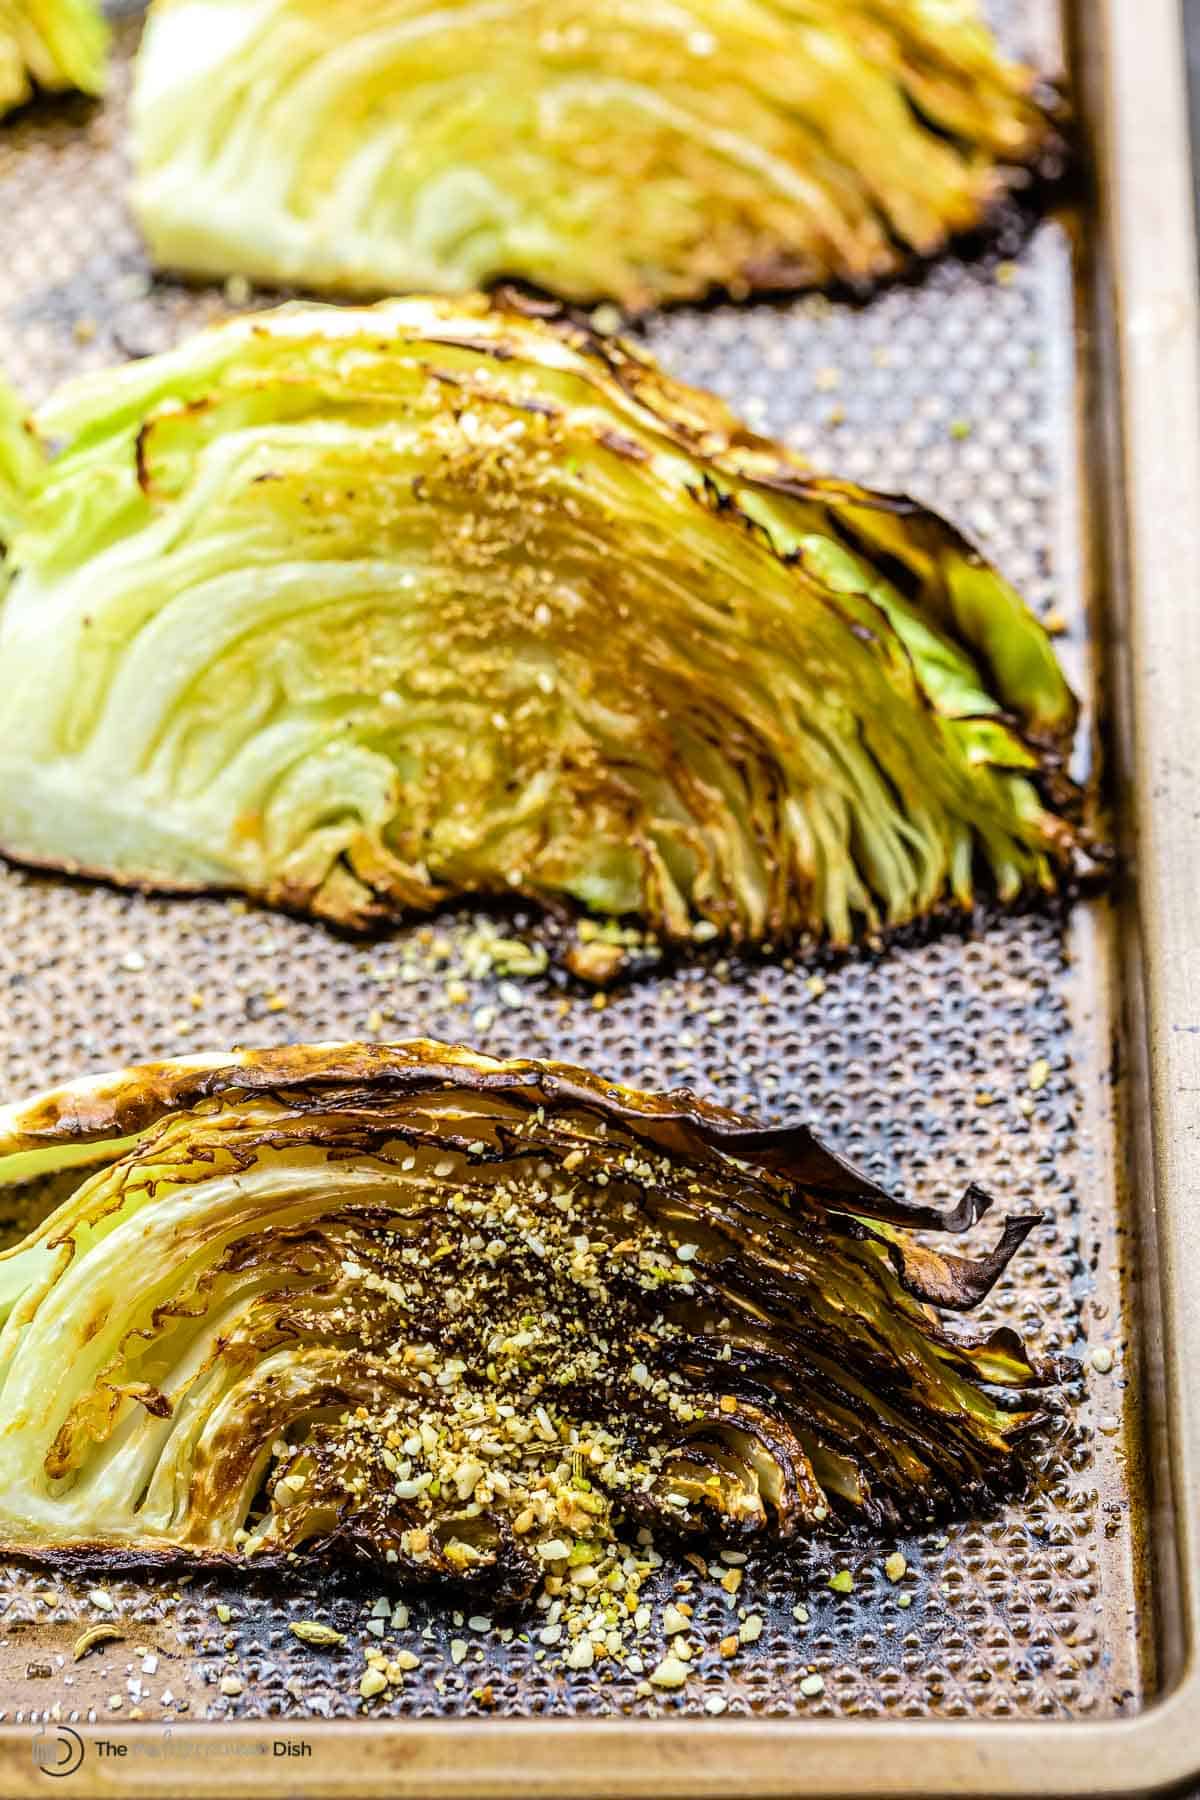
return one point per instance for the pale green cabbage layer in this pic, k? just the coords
(51, 45)
(362, 610)
(638, 150)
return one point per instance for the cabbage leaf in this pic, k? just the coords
(634, 150)
(50, 45)
(460, 1317)
(363, 610)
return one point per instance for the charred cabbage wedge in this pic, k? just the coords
(633, 150)
(361, 610)
(466, 1317)
(51, 45)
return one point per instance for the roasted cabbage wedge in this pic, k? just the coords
(632, 150)
(467, 1318)
(362, 610)
(50, 45)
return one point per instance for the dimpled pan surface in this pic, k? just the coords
(992, 1054)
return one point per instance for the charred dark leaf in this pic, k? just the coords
(462, 1318)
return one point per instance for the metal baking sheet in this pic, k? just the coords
(1005, 1054)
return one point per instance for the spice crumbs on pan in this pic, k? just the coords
(311, 1631)
(500, 1420)
(94, 1635)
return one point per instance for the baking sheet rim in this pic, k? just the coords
(1144, 177)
